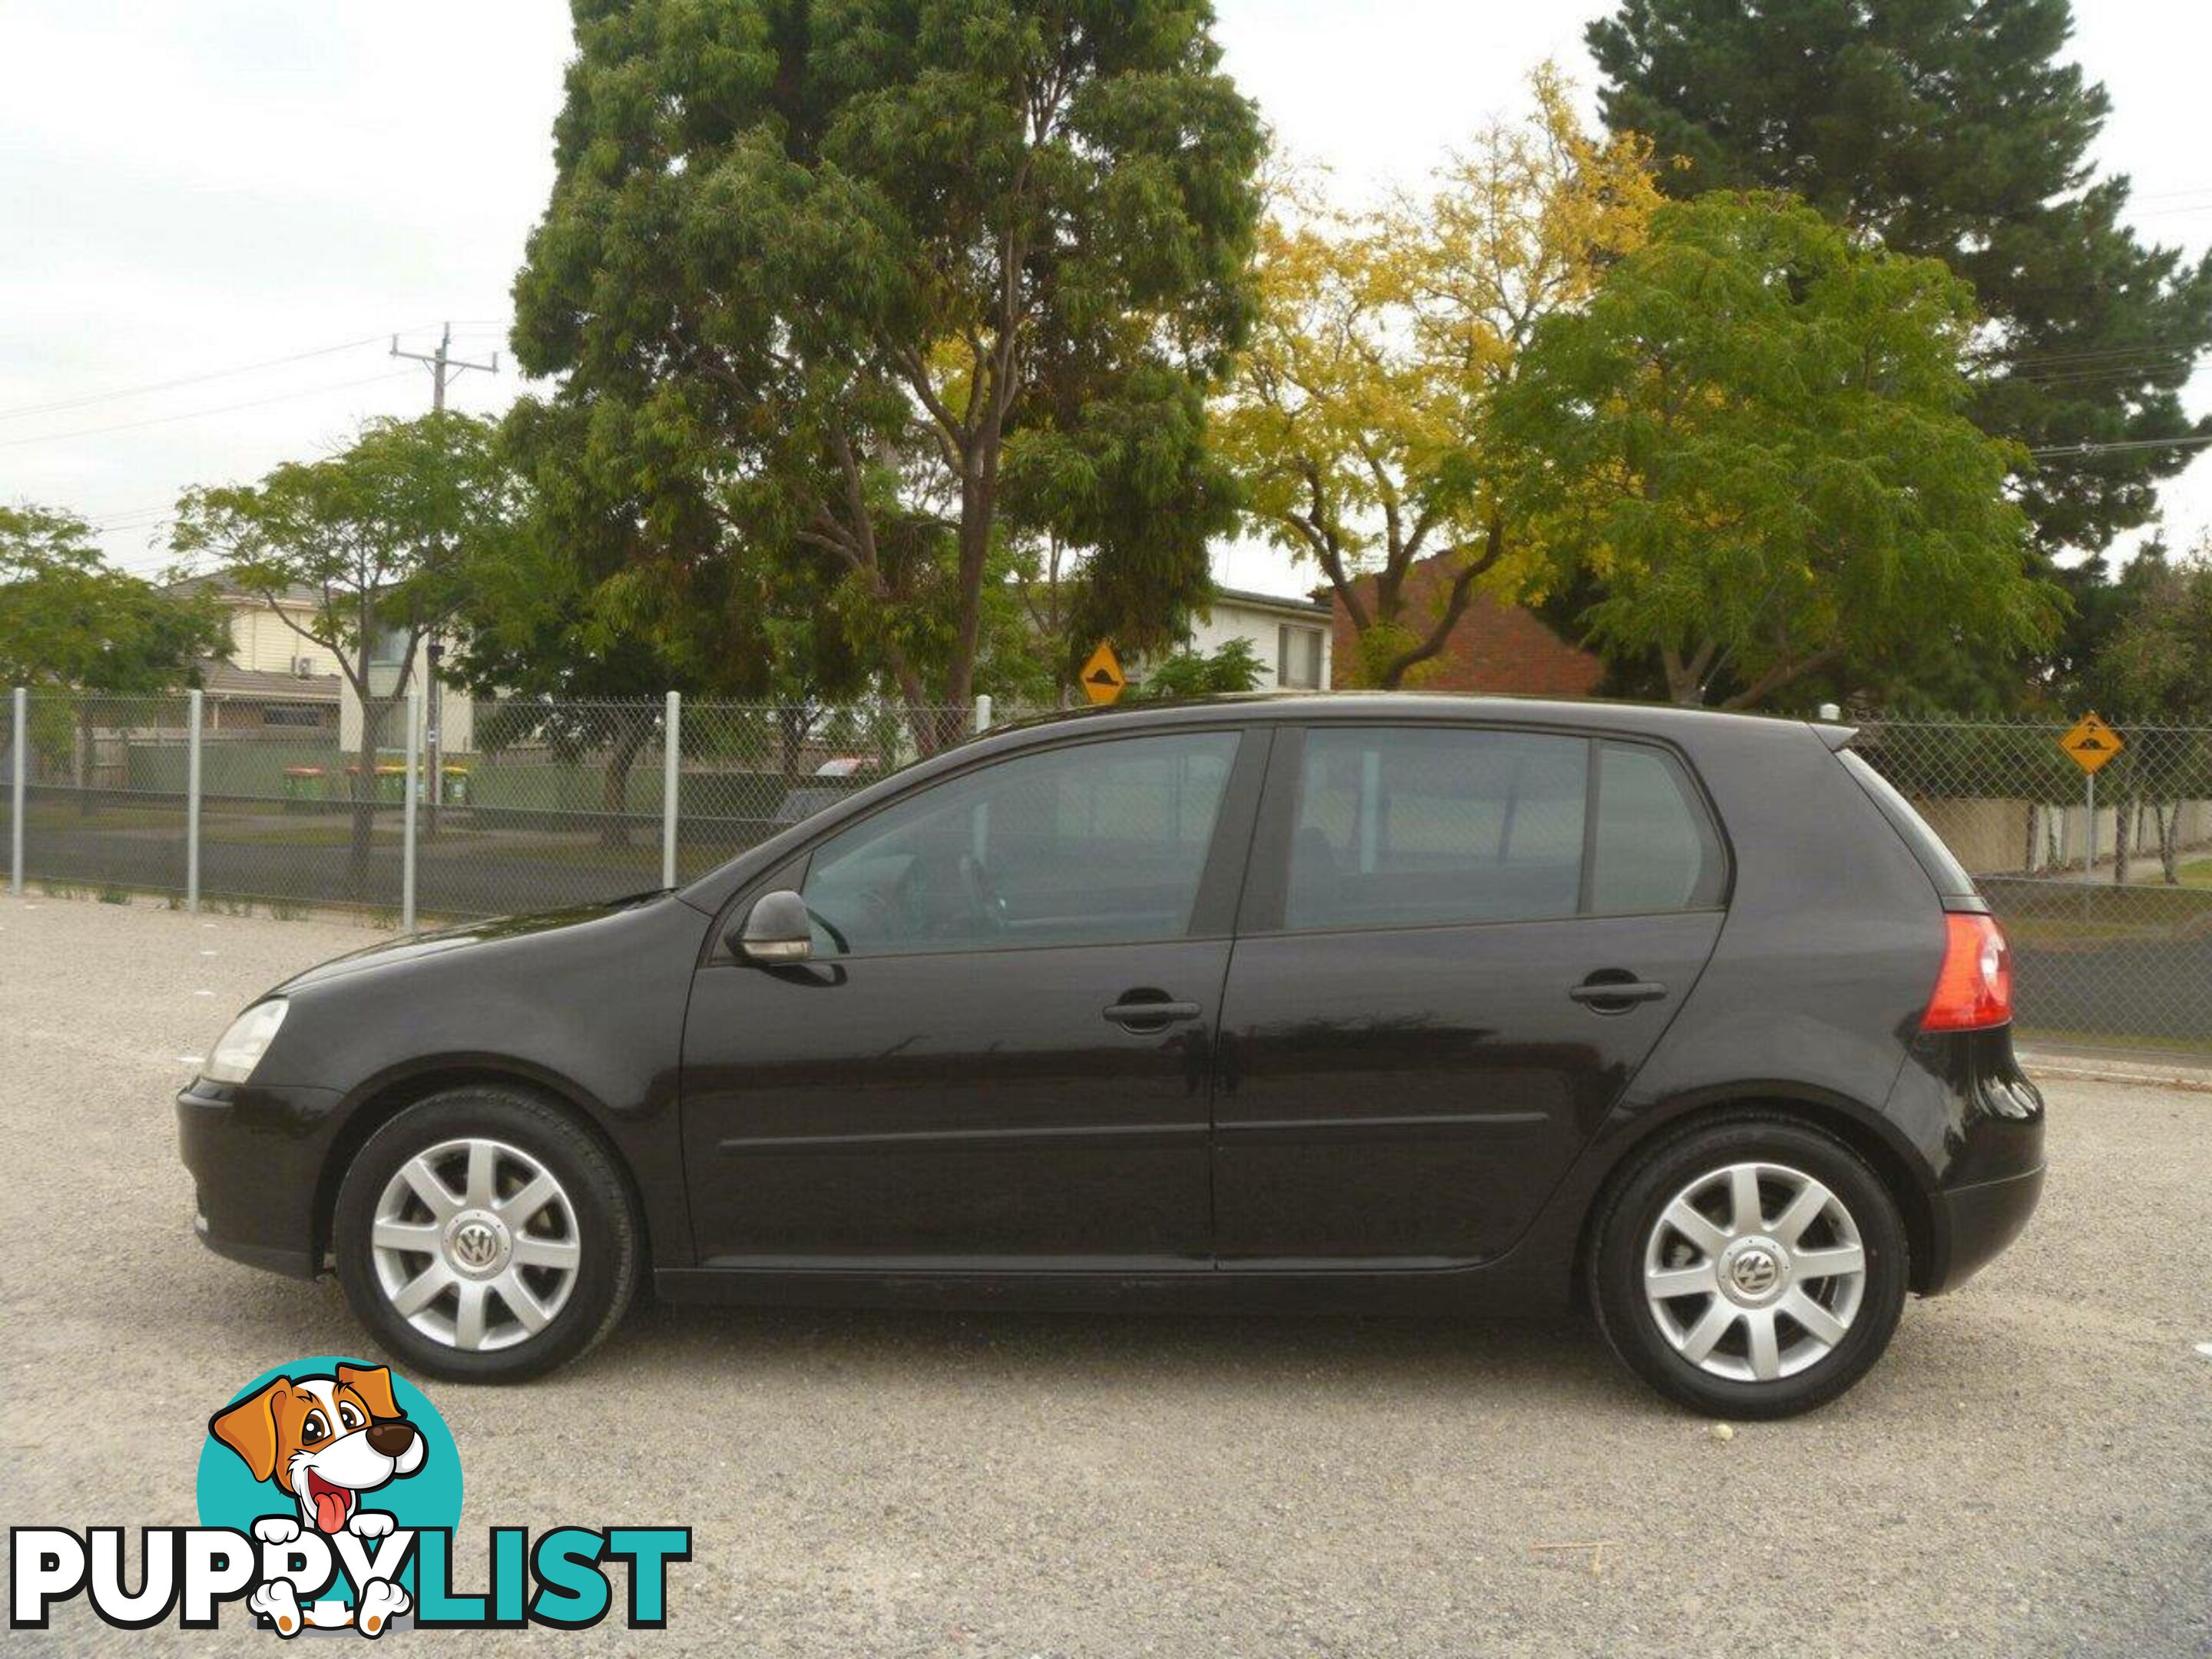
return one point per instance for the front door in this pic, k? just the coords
(1460, 945)
(1000, 1051)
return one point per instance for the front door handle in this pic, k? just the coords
(1605, 994)
(1139, 1014)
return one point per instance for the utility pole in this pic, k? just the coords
(444, 367)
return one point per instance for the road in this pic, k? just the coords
(2026, 1472)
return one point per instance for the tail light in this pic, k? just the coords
(1974, 990)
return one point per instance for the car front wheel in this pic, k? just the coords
(484, 1236)
(1752, 1267)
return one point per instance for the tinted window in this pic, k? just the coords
(1655, 847)
(1404, 827)
(1095, 843)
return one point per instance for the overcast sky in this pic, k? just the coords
(190, 188)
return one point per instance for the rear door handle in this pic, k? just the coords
(1616, 996)
(1151, 1016)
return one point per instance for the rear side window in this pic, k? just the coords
(1654, 847)
(1413, 826)
(1948, 875)
(1405, 827)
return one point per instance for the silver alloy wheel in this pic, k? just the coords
(1754, 1272)
(476, 1244)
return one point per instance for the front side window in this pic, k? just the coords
(1093, 844)
(1403, 827)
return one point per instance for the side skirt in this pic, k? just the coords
(1499, 1289)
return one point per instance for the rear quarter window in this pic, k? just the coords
(1654, 847)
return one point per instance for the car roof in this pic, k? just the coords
(1578, 713)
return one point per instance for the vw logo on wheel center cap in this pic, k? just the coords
(1755, 1269)
(478, 1244)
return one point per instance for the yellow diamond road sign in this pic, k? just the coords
(2092, 744)
(1101, 677)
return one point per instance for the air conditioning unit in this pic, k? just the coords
(304, 667)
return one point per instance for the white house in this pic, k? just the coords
(274, 675)
(1290, 636)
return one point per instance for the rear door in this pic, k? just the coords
(1458, 945)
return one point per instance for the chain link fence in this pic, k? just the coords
(530, 805)
(2106, 888)
(2104, 882)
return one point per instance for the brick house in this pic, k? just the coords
(1495, 646)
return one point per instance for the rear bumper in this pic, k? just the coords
(1977, 1223)
(1977, 1120)
(255, 1156)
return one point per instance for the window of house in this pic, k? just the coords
(1298, 657)
(1099, 843)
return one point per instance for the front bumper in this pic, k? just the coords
(256, 1155)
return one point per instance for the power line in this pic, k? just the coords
(201, 414)
(2117, 446)
(188, 380)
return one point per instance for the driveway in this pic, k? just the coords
(2026, 1472)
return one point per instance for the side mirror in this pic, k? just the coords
(777, 930)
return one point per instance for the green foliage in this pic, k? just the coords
(1950, 129)
(380, 539)
(68, 619)
(1235, 667)
(812, 274)
(1360, 420)
(1752, 436)
(382, 535)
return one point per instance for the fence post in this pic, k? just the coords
(983, 713)
(194, 701)
(671, 774)
(18, 750)
(407, 813)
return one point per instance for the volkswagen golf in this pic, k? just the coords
(1426, 1006)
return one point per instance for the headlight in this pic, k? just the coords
(245, 1042)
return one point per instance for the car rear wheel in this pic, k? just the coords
(1753, 1267)
(482, 1235)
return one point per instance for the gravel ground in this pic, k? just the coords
(2026, 1472)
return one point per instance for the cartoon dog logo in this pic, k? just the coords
(323, 1441)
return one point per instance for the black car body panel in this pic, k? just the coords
(1394, 1119)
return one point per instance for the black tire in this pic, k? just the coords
(606, 1227)
(1616, 1266)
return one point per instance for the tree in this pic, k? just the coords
(381, 538)
(68, 619)
(813, 268)
(1360, 421)
(1232, 668)
(1753, 435)
(1949, 129)
(2158, 676)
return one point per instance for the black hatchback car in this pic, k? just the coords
(1419, 1005)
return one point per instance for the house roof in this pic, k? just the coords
(223, 587)
(1290, 605)
(228, 681)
